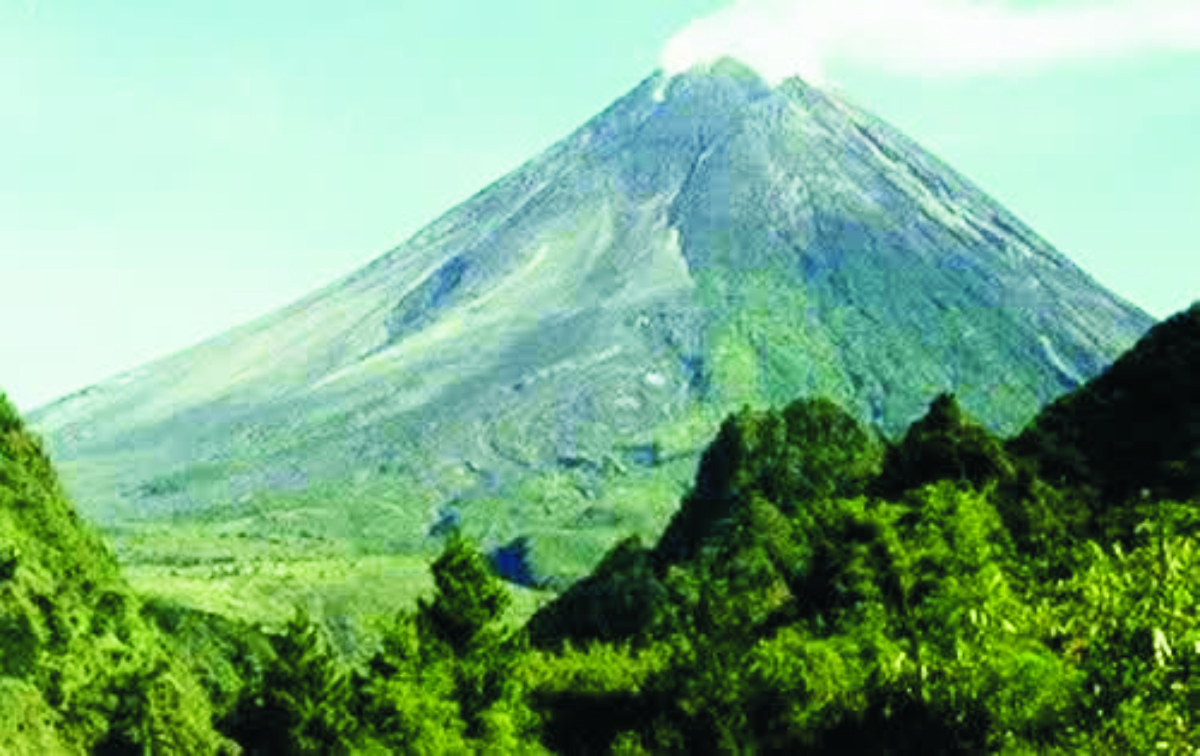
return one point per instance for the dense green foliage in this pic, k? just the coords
(80, 669)
(924, 621)
(820, 589)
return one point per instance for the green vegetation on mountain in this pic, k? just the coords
(547, 360)
(820, 588)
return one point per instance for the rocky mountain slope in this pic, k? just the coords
(706, 241)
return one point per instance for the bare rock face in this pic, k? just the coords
(705, 242)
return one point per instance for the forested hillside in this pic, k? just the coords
(81, 669)
(821, 588)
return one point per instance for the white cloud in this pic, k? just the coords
(781, 38)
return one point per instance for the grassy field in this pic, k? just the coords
(262, 581)
(355, 554)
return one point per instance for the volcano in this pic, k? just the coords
(535, 360)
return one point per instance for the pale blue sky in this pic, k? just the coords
(171, 170)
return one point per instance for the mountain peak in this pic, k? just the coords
(725, 66)
(730, 67)
(706, 242)
(725, 82)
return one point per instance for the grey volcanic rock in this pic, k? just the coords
(706, 241)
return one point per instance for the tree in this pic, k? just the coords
(304, 706)
(461, 618)
(468, 597)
